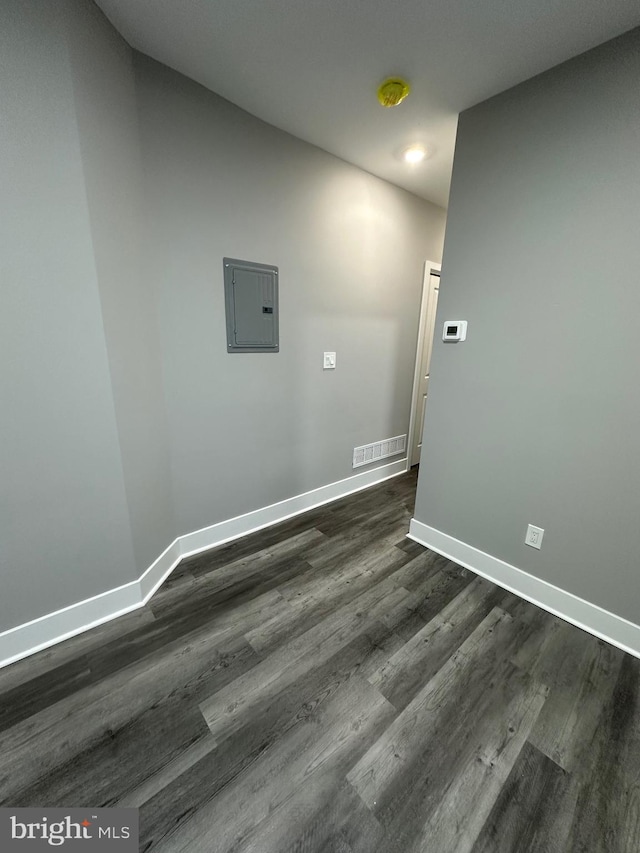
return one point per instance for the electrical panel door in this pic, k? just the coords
(251, 302)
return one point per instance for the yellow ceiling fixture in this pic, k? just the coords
(393, 91)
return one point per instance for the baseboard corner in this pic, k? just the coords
(589, 617)
(52, 628)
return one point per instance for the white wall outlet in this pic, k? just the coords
(534, 536)
(329, 361)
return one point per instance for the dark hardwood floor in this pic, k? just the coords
(329, 685)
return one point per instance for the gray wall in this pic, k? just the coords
(536, 417)
(64, 522)
(124, 422)
(251, 429)
(106, 112)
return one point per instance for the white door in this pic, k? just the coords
(430, 291)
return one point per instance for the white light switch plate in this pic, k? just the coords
(329, 361)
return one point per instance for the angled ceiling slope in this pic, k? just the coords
(312, 68)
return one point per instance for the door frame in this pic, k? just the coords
(426, 308)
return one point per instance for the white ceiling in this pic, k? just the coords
(312, 67)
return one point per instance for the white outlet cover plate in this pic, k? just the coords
(534, 536)
(329, 361)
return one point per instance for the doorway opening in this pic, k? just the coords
(428, 307)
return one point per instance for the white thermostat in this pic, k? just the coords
(454, 330)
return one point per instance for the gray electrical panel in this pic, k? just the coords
(251, 303)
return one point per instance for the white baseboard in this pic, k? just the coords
(159, 571)
(32, 637)
(250, 522)
(590, 617)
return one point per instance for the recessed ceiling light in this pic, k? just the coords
(415, 154)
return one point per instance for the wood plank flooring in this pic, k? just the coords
(328, 686)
